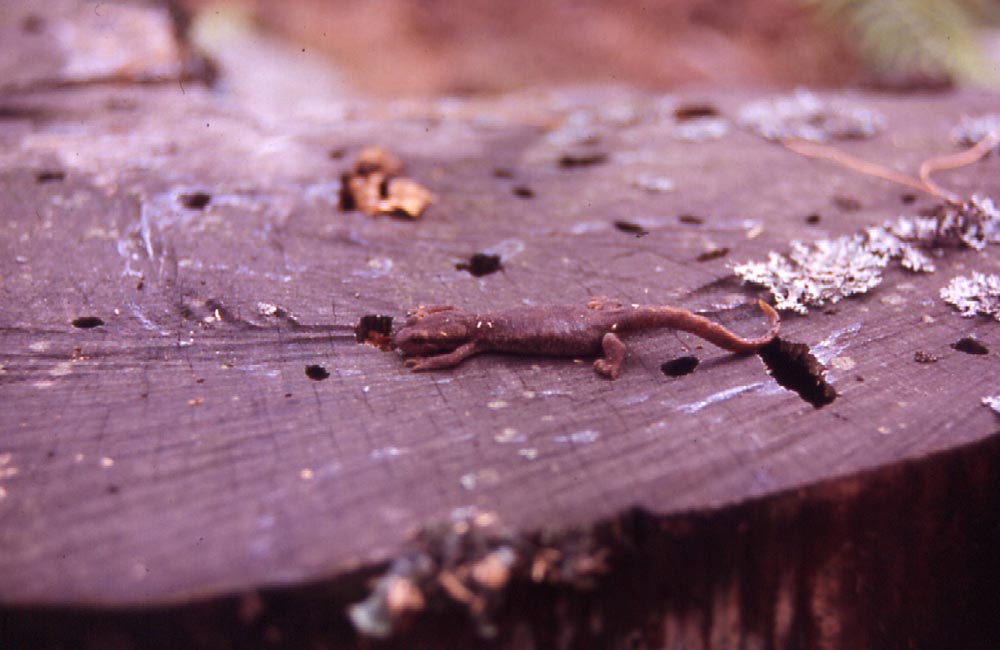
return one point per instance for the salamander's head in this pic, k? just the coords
(434, 333)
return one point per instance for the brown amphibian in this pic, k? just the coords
(436, 337)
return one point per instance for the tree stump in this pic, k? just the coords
(195, 450)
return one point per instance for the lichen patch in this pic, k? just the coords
(827, 270)
(975, 294)
(804, 116)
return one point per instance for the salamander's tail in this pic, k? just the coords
(719, 335)
(715, 333)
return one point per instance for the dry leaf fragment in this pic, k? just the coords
(376, 160)
(373, 187)
(406, 196)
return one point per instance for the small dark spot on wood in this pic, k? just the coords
(523, 192)
(832, 311)
(713, 254)
(317, 372)
(383, 188)
(503, 172)
(195, 200)
(87, 322)
(51, 454)
(846, 203)
(908, 199)
(50, 176)
(686, 112)
(113, 489)
(794, 367)
(970, 345)
(373, 329)
(680, 366)
(287, 395)
(858, 378)
(690, 219)
(923, 356)
(481, 264)
(569, 161)
(32, 24)
(813, 219)
(140, 284)
(336, 154)
(200, 380)
(631, 228)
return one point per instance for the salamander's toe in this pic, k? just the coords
(603, 367)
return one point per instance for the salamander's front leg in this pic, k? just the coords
(600, 303)
(614, 355)
(420, 312)
(438, 361)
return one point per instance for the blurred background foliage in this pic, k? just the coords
(902, 41)
(434, 47)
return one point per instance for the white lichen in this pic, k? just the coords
(971, 130)
(805, 116)
(993, 402)
(702, 129)
(817, 273)
(978, 294)
(828, 270)
(652, 183)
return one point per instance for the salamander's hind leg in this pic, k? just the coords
(614, 355)
(448, 360)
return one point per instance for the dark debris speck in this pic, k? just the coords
(970, 345)
(317, 372)
(481, 264)
(50, 176)
(846, 203)
(923, 356)
(569, 161)
(195, 200)
(631, 228)
(713, 254)
(686, 112)
(87, 322)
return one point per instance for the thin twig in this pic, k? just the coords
(952, 161)
(927, 167)
(825, 151)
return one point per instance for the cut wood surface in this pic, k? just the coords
(186, 413)
(180, 449)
